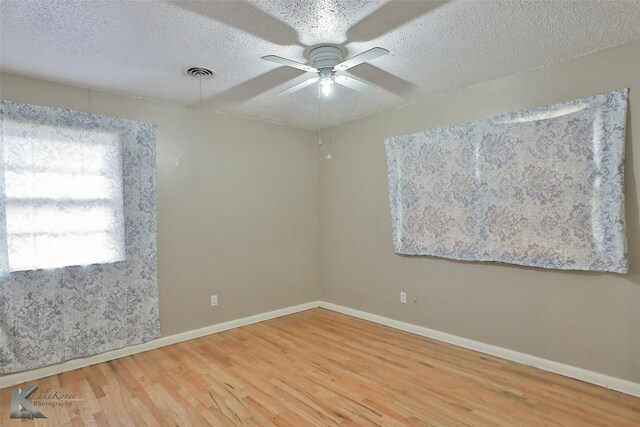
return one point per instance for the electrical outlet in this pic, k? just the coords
(403, 297)
(214, 300)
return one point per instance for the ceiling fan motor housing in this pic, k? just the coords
(325, 57)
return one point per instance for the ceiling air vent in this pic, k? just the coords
(199, 72)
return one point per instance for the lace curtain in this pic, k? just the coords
(77, 235)
(542, 187)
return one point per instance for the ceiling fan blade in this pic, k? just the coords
(359, 59)
(353, 83)
(299, 86)
(385, 80)
(390, 16)
(290, 63)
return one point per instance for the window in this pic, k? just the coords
(63, 194)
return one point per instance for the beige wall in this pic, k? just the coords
(589, 320)
(237, 218)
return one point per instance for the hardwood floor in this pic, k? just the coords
(323, 368)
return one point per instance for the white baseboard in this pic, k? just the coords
(603, 380)
(34, 374)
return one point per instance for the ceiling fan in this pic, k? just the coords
(327, 61)
(253, 20)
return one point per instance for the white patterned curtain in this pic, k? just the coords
(4, 255)
(77, 235)
(542, 187)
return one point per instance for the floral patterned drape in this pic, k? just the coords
(542, 187)
(52, 315)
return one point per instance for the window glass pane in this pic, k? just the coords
(58, 218)
(64, 203)
(26, 184)
(33, 251)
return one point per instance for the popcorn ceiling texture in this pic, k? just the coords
(140, 48)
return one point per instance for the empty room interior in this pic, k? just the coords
(319, 212)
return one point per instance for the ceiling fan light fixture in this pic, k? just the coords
(327, 88)
(326, 81)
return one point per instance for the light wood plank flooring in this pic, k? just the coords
(323, 368)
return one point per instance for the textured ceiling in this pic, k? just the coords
(141, 47)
